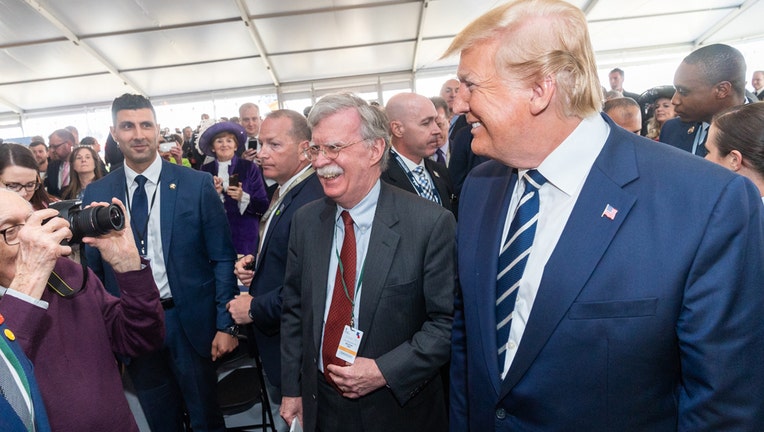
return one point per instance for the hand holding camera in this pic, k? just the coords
(114, 239)
(40, 245)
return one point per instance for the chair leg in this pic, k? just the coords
(268, 422)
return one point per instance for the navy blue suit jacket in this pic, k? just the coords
(268, 280)
(9, 421)
(650, 321)
(679, 134)
(196, 244)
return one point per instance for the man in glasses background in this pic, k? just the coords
(60, 144)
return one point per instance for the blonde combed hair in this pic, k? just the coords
(539, 39)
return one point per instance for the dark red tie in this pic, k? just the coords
(341, 308)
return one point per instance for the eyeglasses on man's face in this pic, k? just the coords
(330, 151)
(11, 234)
(16, 187)
(56, 146)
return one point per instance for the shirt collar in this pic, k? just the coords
(151, 173)
(409, 163)
(583, 146)
(363, 212)
(294, 177)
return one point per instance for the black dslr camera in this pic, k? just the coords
(90, 222)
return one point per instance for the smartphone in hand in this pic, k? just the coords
(233, 180)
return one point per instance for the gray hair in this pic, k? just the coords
(374, 122)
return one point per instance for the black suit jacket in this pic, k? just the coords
(395, 176)
(51, 178)
(269, 275)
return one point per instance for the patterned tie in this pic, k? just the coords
(513, 256)
(10, 390)
(341, 308)
(139, 213)
(424, 183)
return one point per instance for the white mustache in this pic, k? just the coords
(329, 171)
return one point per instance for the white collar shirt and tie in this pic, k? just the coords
(564, 181)
(425, 186)
(154, 229)
(363, 218)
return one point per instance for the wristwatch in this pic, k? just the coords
(232, 330)
(249, 313)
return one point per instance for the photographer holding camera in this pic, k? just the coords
(71, 340)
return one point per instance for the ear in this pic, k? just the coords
(377, 151)
(396, 128)
(301, 147)
(543, 91)
(112, 132)
(735, 160)
(723, 89)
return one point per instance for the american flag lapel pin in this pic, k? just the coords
(609, 212)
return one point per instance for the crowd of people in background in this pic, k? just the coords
(581, 286)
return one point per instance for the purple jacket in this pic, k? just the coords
(244, 227)
(72, 345)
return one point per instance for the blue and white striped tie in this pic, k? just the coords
(425, 184)
(512, 258)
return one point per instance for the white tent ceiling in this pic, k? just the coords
(69, 53)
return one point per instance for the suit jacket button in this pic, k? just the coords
(501, 414)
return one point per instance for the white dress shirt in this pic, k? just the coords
(363, 217)
(566, 170)
(154, 236)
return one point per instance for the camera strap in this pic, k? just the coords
(59, 285)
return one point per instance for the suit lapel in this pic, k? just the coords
(382, 246)
(439, 182)
(486, 269)
(566, 273)
(396, 176)
(169, 183)
(322, 251)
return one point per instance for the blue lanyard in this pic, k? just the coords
(413, 180)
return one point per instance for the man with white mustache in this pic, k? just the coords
(367, 310)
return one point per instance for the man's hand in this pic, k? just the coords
(358, 379)
(235, 192)
(249, 154)
(223, 344)
(117, 247)
(244, 275)
(239, 308)
(291, 407)
(39, 248)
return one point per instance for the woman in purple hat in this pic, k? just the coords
(238, 181)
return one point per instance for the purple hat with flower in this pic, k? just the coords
(208, 136)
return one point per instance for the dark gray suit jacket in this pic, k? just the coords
(405, 313)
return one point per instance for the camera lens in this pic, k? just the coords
(96, 221)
